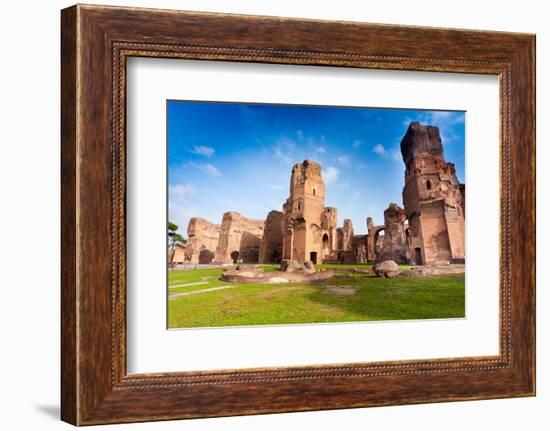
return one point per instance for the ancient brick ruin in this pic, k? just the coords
(202, 240)
(239, 239)
(433, 198)
(429, 229)
(309, 229)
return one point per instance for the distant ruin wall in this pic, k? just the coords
(271, 245)
(239, 239)
(176, 256)
(395, 245)
(347, 235)
(202, 240)
(359, 244)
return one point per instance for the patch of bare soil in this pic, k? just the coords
(341, 290)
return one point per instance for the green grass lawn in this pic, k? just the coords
(262, 304)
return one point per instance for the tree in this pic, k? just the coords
(174, 239)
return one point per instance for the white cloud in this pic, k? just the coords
(380, 150)
(207, 168)
(343, 160)
(444, 120)
(181, 191)
(284, 148)
(179, 204)
(357, 143)
(330, 175)
(279, 153)
(447, 118)
(321, 149)
(203, 150)
(396, 155)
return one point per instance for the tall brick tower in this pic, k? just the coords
(433, 198)
(303, 214)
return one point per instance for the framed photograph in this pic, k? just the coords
(266, 215)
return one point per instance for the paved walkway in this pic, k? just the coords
(211, 289)
(188, 284)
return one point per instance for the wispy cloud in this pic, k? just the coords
(321, 149)
(444, 120)
(396, 155)
(380, 150)
(344, 160)
(284, 148)
(357, 143)
(330, 175)
(280, 154)
(203, 150)
(179, 204)
(182, 191)
(206, 168)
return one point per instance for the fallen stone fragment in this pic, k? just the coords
(387, 269)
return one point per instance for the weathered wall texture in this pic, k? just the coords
(239, 239)
(177, 255)
(329, 221)
(202, 240)
(375, 239)
(271, 245)
(303, 213)
(359, 245)
(395, 246)
(347, 235)
(434, 199)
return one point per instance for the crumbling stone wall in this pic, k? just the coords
(271, 244)
(202, 240)
(347, 235)
(395, 246)
(302, 214)
(374, 240)
(360, 248)
(239, 239)
(433, 198)
(329, 220)
(177, 255)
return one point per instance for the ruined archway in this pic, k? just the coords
(235, 256)
(275, 257)
(205, 256)
(326, 245)
(379, 240)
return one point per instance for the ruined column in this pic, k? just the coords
(395, 242)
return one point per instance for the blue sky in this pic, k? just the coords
(238, 156)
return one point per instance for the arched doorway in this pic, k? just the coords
(417, 256)
(379, 240)
(235, 256)
(205, 256)
(326, 245)
(275, 257)
(313, 257)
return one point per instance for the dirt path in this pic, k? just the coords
(188, 284)
(211, 289)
